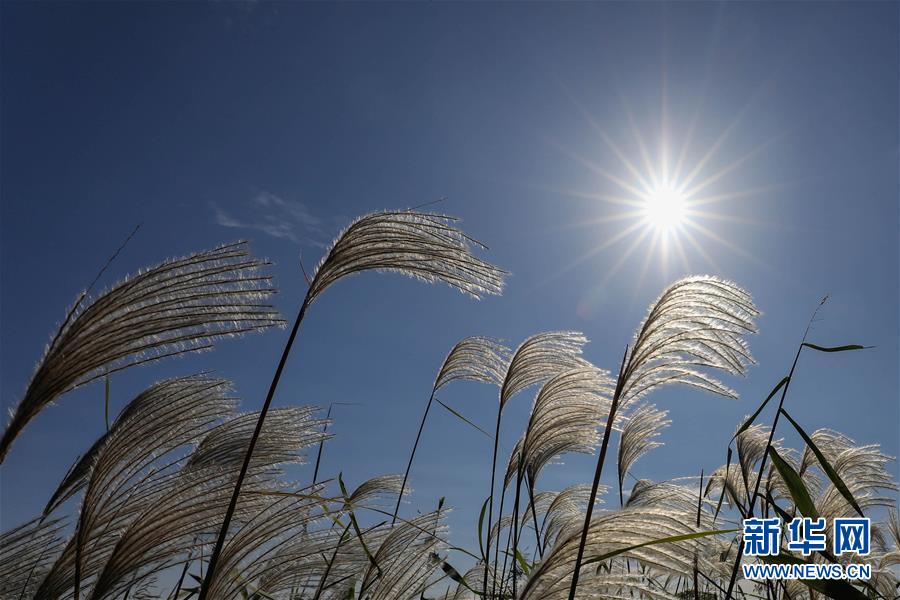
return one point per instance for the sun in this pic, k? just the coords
(664, 208)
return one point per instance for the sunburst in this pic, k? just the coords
(664, 207)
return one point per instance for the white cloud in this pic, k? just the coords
(277, 217)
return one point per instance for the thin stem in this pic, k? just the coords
(620, 381)
(699, 512)
(79, 542)
(337, 547)
(491, 502)
(184, 571)
(321, 445)
(537, 531)
(762, 464)
(412, 455)
(232, 505)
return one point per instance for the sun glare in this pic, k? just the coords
(664, 208)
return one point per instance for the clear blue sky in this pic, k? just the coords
(280, 122)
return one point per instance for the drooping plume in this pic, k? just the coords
(698, 322)
(26, 554)
(638, 437)
(474, 358)
(422, 245)
(132, 467)
(179, 306)
(565, 418)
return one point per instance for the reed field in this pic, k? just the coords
(185, 497)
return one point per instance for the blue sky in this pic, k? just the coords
(280, 122)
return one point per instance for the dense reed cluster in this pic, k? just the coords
(184, 496)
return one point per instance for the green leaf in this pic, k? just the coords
(724, 485)
(799, 493)
(481, 529)
(453, 574)
(826, 466)
(463, 419)
(836, 348)
(526, 568)
(781, 512)
(752, 417)
(355, 524)
(665, 540)
(833, 588)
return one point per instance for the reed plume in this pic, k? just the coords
(421, 245)
(26, 554)
(473, 358)
(638, 435)
(179, 306)
(697, 323)
(537, 359)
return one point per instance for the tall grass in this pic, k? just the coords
(185, 497)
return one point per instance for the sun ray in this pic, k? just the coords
(625, 255)
(662, 200)
(679, 247)
(717, 238)
(701, 251)
(635, 172)
(729, 167)
(602, 172)
(639, 140)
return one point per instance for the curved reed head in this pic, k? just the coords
(422, 245)
(179, 306)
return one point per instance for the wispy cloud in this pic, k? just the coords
(277, 217)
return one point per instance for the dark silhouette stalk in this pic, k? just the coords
(620, 382)
(491, 504)
(79, 542)
(537, 531)
(412, 455)
(321, 445)
(337, 547)
(762, 464)
(232, 505)
(184, 571)
(696, 566)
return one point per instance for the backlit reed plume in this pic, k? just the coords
(471, 359)
(248, 553)
(405, 560)
(616, 531)
(863, 468)
(537, 359)
(638, 437)
(131, 467)
(165, 416)
(697, 323)
(735, 481)
(564, 418)
(179, 306)
(195, 500)
(421, 245)
(564, 514)
(27, 553)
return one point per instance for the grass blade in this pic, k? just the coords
(826, 466)
(836, 348)
(481, 531)
(752, 417)
(665, 540)
(799, 493)
(463, 419)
